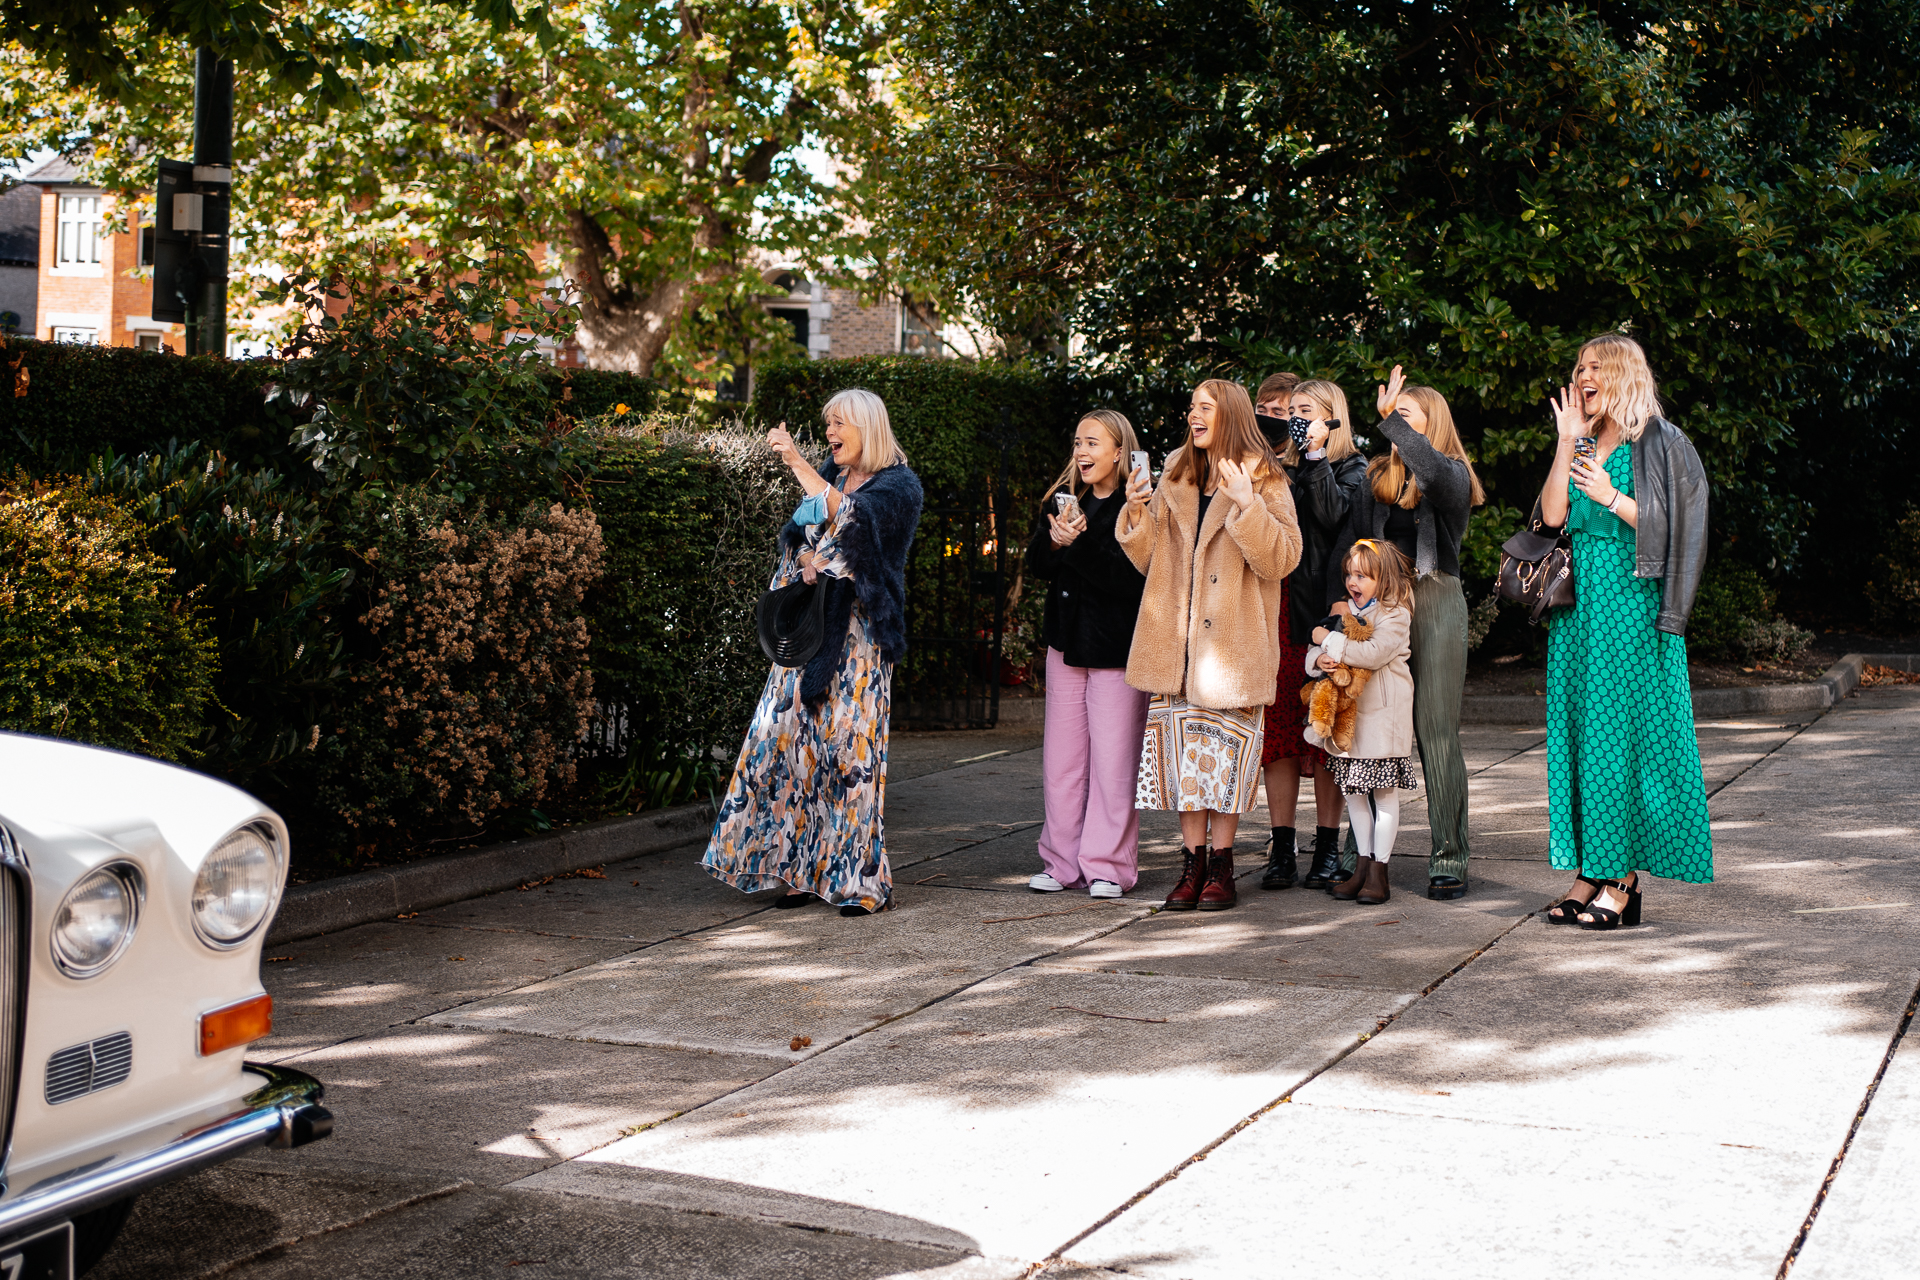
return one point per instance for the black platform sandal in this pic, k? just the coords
(1569, 909)
(1606, 917)
(788, 902)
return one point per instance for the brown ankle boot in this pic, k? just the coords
(1193, 876)
(1375, 890)
(1349, 889)
(1219, 893)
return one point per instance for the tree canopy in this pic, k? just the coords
(651, 148)
(1467, 186)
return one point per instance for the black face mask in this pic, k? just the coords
(1274, 429)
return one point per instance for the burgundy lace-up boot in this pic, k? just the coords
(1193, 875)
(1219, 893)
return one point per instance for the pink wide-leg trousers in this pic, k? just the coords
(1095, 723)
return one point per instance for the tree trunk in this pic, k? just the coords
(628, 336)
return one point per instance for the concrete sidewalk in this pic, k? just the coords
(651, 1075)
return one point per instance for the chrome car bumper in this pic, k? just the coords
(284, 1112)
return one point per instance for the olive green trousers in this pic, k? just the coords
(1439, 666)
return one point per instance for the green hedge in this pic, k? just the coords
(75, 402)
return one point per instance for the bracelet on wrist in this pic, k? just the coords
(1614, 502)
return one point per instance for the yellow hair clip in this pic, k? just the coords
(1368, 543)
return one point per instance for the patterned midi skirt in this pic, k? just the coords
(1195, 758)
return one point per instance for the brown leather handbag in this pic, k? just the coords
(1536, 568)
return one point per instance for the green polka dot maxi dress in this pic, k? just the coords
(1624, 787)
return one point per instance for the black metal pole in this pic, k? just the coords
(213, 148)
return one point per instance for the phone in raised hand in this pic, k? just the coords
(1139, 461)
(1066, 505)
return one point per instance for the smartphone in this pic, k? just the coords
(1586, 447)
(1066, 504)
(1140, 463)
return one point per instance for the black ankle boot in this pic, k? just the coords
(1281, 868)
(1325, 871)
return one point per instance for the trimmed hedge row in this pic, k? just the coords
(62, 403)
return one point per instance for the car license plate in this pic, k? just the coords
(47, 1256)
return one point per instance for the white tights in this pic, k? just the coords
(1375, 819)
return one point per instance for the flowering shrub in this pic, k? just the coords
(475, 683)
(94, 643)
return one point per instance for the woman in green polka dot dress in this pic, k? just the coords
(1624, 789)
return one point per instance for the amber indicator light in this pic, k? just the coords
(236, 1024)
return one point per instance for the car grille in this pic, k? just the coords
(89, 1068)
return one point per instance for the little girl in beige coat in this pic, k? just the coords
(1378, 764)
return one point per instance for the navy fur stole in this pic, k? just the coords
(886, 513)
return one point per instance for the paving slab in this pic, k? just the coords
(1009, 861)
(489, 1233)
(376, 976)
(1303, 936)
(915, 753)
(757, 986)
(1750, 1038)
(1449, 1199)
(1022, 1109)
(638, 901)
(941, 812)
(492, 1108)
(1866, 1225)
(204, 1224)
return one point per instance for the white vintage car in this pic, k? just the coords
(134, 900)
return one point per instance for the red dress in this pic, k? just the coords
(1286, 718)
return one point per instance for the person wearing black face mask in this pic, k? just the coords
(1308, 426)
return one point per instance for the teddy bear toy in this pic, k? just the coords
(1332, 699)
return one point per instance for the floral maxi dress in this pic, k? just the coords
(1624, 785)
(805, 804)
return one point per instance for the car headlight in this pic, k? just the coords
(96, 920)
(236, 886)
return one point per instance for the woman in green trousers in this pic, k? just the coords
(1418, 496)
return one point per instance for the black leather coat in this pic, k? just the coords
(1093, 598)
(1323, 493)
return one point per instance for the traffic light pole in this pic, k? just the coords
(212, 149)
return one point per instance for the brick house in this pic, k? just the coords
(90, 285)
(831, 321)
(19, 258)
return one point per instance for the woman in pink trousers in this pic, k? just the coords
(1095, 721)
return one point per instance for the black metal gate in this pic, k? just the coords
(957, 599)
(956, 602)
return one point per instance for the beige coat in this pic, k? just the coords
(1213, 634)
(1385, 728)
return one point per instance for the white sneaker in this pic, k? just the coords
(1103, 889)
(1044, 883)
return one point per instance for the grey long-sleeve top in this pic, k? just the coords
(1446, 502)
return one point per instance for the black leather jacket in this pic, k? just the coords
(1670, 537)
(1322, 496)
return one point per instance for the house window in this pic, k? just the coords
(150, 342)
(78, 244)
(919, 331)
(84, 337)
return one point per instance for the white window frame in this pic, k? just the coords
(76, 335)
(78, 240)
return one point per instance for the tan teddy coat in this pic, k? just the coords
(1214, 634)
(1385, 730)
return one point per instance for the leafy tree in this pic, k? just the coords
(99, 43)
(1466, 186)
(650, 148)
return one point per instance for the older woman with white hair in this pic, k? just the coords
(803, 810)
(1625, 793)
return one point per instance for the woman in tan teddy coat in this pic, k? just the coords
(1216, 541)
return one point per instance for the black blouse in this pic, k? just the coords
(1094, 591)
